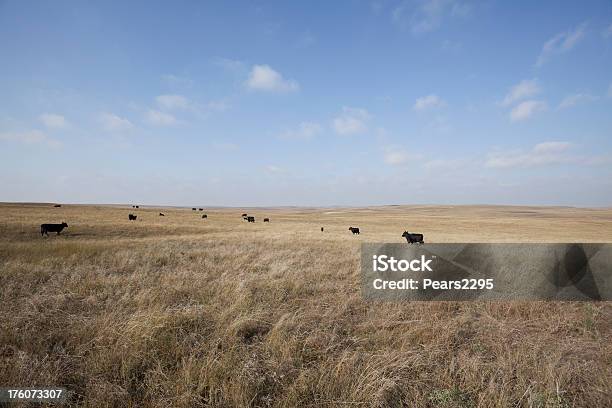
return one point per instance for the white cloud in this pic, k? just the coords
(53, 121)
(575, 99)
(428, 102)
(396, 157)
(157, 118)
(30, 137)
(114, 123)
(427, 15)
(273, 169)
(546, 153)
(523, 90)
(561, 43)
(607, 32)
(173, 102)
(526, 109)
(351, 121)
(305, 130)
(264, 78)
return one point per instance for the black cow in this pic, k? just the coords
(162, 214)
(57, 205)
(193, 209)
(132, 217)
(137, 206)
(201, 209)
(250, 219)
(45, 228)
(204, 216)
(354, 230)
(413, 238)
(321, 229)
(244, 215)
(266, 220)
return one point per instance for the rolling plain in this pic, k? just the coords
(187, 312)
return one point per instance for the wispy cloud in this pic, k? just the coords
(351, 121)
(546, 153)
(607, 32)
(264, 78)
(428, 102)
(427, 15)
(158, 118)
(30, 137)
(114, 123)
(396, 156)
(177, 81)
(526, 109)
(525, 89)
(305, 130)
(53, 121)
(305, 40)
(173, 102)
(272, 169)
(576, 99)
(230, 65)
(561, 43)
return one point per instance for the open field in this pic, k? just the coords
(181, 311)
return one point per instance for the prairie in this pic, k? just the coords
(184, 311)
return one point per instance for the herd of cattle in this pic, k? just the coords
(411, 238)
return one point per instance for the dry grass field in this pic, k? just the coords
(186, 312)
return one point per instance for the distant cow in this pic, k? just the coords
(244, 215)
(45, 228)
(354, 230)
(266, 220)
(204, 216)
(201, 209)
(321, 229)
(137, 206)
(162, 214)
(250, 219)
(57, 205)
(132, 217)
(413, 238)
(193, 209)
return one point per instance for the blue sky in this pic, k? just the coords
(311, 103)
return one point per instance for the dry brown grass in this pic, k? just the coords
(180, 311)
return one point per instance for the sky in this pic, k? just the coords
(317, 103)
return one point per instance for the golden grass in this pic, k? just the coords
(181, 311)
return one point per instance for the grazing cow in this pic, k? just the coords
(413, 238)
(201, 209)
(132, 217)
(137, 206)
(244, 215)
(250, 219)
(162, 215)
(354, 230)
(321, 229)
(266, 220)
(204, 216)
(193, 209)
(57, 205)
(45, 228)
